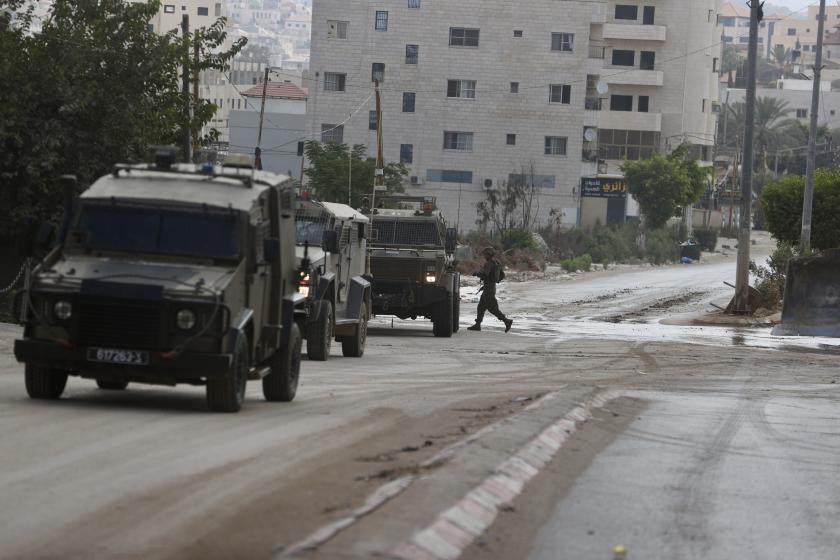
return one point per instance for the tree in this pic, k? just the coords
(331, 166)
(93, 88)
(771, 126)
(514, 205)
(782, 57)
(663, 184)
(255, 53)
(782, 205)
(730, 59)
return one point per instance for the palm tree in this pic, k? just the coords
(770, 123)
(782, 58)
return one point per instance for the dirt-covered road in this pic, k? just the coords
(589, 425)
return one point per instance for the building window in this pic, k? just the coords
(511, 139)
(801, 113)
(462, 37)
(647, 60)
(377, 72)
(408, 102)
(407, 150)
(203, 11)
(832, 112)
(621, 103)
(617, 144)
(532, 180)
(555, 145)
(336, 29)
(332, 133)
(517, 33)
(623, 58)
(703, 105)
(715, 64)
(217, 10)
(412, 54)
(644, 103)
(334, 81)
(648, 15)
(559, 93)
(381, 23)
(169, 8)
(563, 42)
(414, 4)
(449, 176)
(460, 88)
(624, 11)
(514, 87)
(372, 120)
(460, 141)
(791, 31)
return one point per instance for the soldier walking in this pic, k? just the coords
(490, 275)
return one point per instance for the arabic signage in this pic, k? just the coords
(603, 187)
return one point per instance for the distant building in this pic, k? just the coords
(284, 126)
(202, 13)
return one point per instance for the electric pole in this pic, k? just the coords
(195, 78)
(808, 202)
(741, 302)
(257, 150)
(185, 89)
(379, 180)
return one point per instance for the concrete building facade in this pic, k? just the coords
(482, 92)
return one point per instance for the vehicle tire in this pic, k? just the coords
(354, 346)
(442, 318)
(319, 333)
(43, 382)
(456, 305)
(227, 393)
(281, 384)
(111, 385)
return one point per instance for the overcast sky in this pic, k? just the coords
(797, 4)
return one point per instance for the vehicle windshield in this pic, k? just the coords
(310, 229)
(196, 233)
(406, 233)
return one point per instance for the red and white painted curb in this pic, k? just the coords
(458, 527)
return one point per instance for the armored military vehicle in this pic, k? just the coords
(412, 263)
(332, 258)
(170, 273)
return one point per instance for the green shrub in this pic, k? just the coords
(662, 245)
(707, 238)
(772, 277)
(518, 239)
(583, 262)
(782, 205)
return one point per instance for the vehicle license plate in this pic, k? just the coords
(115, 356)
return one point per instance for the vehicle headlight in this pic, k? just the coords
(431, 278)
(303, 290)
(185, 319)
(63, 310)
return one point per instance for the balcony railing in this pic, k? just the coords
(593, 103)
(597, 51)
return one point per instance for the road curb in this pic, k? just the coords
(458, 527)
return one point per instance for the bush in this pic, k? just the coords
(782, 205)
(772, 277)
(583, 262)
(662, 245)
(707, 238)
(518, 239)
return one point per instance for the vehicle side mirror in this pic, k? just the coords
(451, 240)
(37, 238)
(362, 231)
(271, 250)
(330, 242)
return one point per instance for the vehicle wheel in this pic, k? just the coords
(45, 383)
(319, 333)
(281, 384)
(456, 306)
(442, 318)
(354, 346)
(227, 393)
(112, 385)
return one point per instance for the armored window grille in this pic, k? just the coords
(311, 227)
(332, 133)
(412, 234)
(334, 81)
(377, 72)
(412, 54)
(381, 23)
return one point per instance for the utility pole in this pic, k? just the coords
(379, 180)
(257, 150)
(740, 304)
(185, 89)
(196, 45)
(808, 202)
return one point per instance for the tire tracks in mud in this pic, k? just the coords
(658, 305)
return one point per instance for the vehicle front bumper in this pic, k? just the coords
(184, 366)
(392, 295)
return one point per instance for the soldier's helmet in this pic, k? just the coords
(488, 252)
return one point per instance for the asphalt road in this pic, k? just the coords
(712, 443)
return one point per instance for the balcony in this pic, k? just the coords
(630, 120)
(635, 32)
(624, 76)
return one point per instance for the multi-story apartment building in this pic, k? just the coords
(480, 92)
(801, 35)
(735, 21)
(203, 13)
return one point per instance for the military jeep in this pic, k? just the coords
(165, 274)
(411, 262)
(332, 257)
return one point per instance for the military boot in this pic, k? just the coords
(508, 323)
(475, 327)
